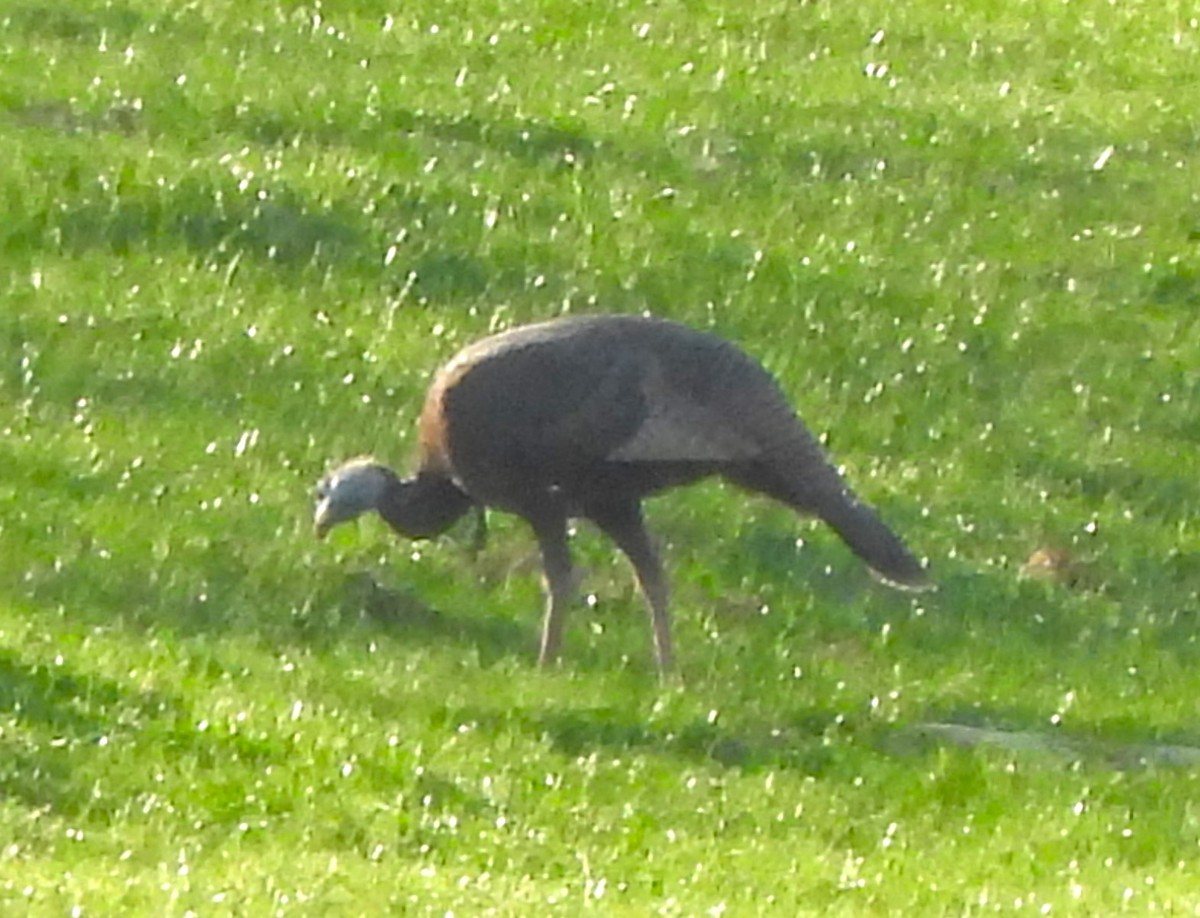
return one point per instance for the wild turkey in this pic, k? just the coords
(583, 417)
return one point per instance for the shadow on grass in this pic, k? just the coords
(209, 218)
(55, 20)
(49, 696)
(223, 223)
(356, 600)
(66, 728)
(87, 748)
(525, 139)
(210, 586)
(800, 743)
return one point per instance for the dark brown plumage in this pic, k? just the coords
(584, 417)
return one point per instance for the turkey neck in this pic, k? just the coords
(424, 506)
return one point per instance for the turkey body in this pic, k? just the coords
(585, 417)
(588, 408)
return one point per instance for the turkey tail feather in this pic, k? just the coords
(869, 538)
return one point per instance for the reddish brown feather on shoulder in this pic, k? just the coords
(432, 432)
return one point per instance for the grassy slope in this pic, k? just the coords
(238, 236)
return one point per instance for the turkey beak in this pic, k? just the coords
(322, 518)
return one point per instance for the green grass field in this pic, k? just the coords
(237, 237)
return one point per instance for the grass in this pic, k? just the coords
(238, 237)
